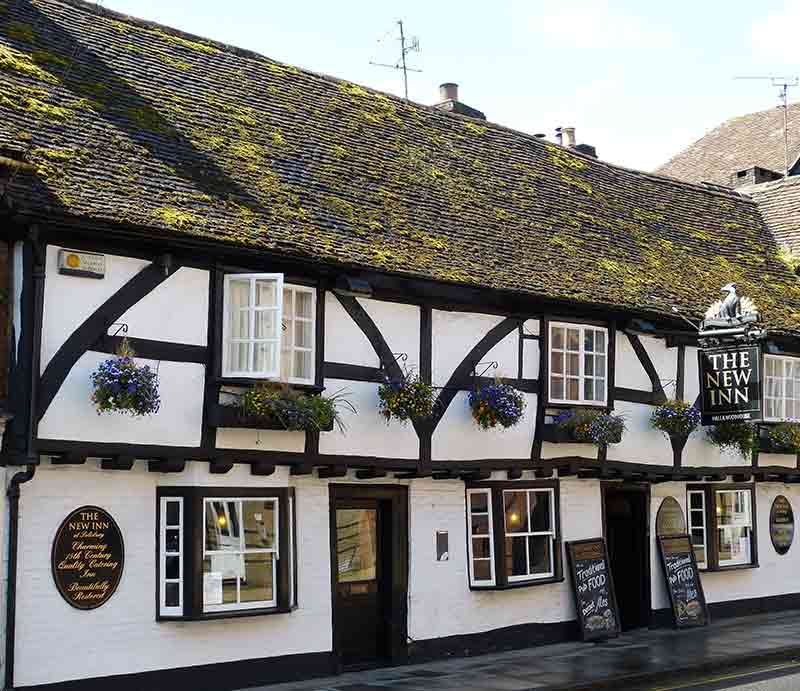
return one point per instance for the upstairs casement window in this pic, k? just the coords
(722, 526)
(268, 329)
(578, 357)
(781, 388)
(225, 552)
(513, 535)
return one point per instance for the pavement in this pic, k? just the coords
(724, 652)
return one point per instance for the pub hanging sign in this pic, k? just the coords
(730, 384)
(730, 360)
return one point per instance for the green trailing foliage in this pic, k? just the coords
(275, 406)
(740, 437)
(785, 437)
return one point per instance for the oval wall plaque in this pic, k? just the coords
(87, 558)
(781, 524)
(670, 519)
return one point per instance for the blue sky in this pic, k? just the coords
(638, 79)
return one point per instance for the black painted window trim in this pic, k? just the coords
(192, 542)
(712, 534)
(498, 533)
(611, 356)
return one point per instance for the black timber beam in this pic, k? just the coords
(262, 468)
(166, 465)
(332, 471)
(217, 466)
(120, 462)
(370, 473)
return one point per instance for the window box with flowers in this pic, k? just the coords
(783, 438)
(584, 426)
(271, 407)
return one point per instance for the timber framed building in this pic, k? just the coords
(240, 220)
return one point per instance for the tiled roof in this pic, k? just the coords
(779, 203)
(755, 139)
(128, 122)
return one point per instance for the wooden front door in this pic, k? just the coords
(626, 529)
(368, 545)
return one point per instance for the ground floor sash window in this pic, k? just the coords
(224, 552)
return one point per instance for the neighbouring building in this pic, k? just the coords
(745, 150)
(749, 153)
(233, 220)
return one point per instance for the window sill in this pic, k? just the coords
(232, 614)
(519, 584)
(578, 406)
(736, 567)
(249, 383)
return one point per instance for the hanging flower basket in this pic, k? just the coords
(676, 419)
(783, 438)
(585, 427)
(496, 404)
(275, 407)
(122, 386)
(733, 436)
(406, 398)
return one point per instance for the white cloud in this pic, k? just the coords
(582, 25)
(775, 37)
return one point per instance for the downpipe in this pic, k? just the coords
(13, 494)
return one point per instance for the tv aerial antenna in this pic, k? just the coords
(407, 45)
(783, 84)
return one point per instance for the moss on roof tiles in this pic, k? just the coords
(171, 132)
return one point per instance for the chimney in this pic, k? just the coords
(448, 101)
(448, 91)
(566, 137)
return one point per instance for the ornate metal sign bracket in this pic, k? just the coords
(732, 319)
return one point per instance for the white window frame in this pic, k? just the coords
(472, 579)
(243, 551)
(702, 512)
(226, 337)
(583, 328)
(176, 610)
(532, 533)
(290, 319)
(749, 525)
(782, 399)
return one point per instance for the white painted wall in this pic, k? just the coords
(72, 414)
(776, 574)
(70, 300)
(400, 326)
(456, 333)
(458, 437)
(122, 636)
(180, 306)
(344, 341)
(366, 432)
(440, 601)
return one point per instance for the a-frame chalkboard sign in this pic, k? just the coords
(593, 587)
(683, 581)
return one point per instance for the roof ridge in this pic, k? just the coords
(93, 8)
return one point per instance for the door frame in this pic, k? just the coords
(644, 489)
(397, 597)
